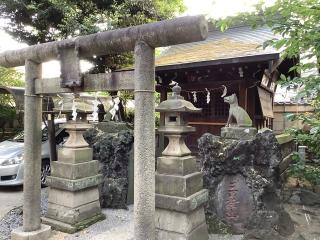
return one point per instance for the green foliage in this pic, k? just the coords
(307, 138)
(302, 171)
(7, 114)
(297, 23)
(9, 77)
(34, 21)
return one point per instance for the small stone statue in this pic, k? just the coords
(237, 115)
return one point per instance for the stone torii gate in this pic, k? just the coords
(142, 40)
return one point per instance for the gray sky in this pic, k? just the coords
(211, 8)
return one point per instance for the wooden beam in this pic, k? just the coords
(115, 81)
(243, 94)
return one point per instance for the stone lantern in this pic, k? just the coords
(73, 201)
(179, 186)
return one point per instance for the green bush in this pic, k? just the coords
(7, 114)
(300, 170)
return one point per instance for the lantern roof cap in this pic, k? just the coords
(176, 103)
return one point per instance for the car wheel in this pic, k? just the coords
(45, 171)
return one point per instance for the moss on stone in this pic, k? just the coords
(284, 138)
(217, 226)
(89, 221)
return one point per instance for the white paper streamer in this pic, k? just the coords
(115, 108)
(74, 110)
(95, 108)
(208, 96)
(194, 96)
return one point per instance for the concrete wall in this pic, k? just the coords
(281, 110)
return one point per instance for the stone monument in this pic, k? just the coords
(241, 172)
(73, 201)
(179, 186)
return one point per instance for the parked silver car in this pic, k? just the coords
(11, 156)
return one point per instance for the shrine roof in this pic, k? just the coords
(239, 44)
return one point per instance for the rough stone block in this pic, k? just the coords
(74, 185)
(41, 234)
(200, 233)
(178, 222)
(285, 163)
(180, 186)
(74, 171)
(243, 133)
(180, 204)
(176, 165)
(73, 199)
(73, 215)
(75, 155)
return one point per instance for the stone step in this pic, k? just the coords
(74, 185)
(180, 186)
(74, 171)
(180, 204)
(168, 221)
(73, 199)
(75, 155)
(176, 165)
(73, 215)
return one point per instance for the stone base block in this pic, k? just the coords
(243, 133)
(72, 228)
(75, 155)
(41, 234)
(180, 204)
(176, 165)
(73, 199)
(74, 185)
(184, 223)
(199, 233)
(73, 215)
(181, 186)
(74, 171)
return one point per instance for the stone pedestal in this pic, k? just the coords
(43, 233)
(179, 199)
(243, 133)
(179, 186)
(73, 201)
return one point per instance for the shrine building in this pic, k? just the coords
(234, 58)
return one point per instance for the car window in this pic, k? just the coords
(62, 137)
(44, 136)
(19, 137)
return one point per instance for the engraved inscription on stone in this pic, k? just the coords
(233, 201)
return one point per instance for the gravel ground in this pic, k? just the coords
(118, 224)
(13, 218)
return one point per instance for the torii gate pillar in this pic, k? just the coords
(32, 228)
(144, 151)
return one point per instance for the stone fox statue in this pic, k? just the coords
(237, 115)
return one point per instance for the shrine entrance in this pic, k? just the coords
(142, 40)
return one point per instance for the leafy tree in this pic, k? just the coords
(8, 77)
(39, 21)
(297, 22)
